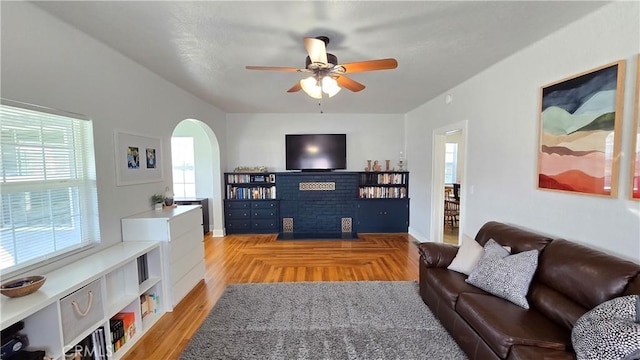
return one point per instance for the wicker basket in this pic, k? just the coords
(22, 286)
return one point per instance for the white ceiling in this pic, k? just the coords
(203, 46)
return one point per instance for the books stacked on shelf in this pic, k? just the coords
(376, 192)
(143, 269)
(149, 304)
(251, 193)
(250, 178)
(383, 178)
(92, 347)
(123, 328)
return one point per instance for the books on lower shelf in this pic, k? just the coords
(123, 328)
(149, 304)
(375, 192)
(92, 347)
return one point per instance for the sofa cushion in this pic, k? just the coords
(554, 305)
(504, 275)
(521, 352)
(519, 239)
(502, 324)
(611, 330)
(448, 285)
(565, 265)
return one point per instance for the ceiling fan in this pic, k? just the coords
(326, 74)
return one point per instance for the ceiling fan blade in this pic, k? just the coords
(350, 84)
(295, 88)
(370, 65)
(272, 68)
(316, 49)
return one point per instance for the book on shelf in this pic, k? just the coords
(251, 178)
(383, 178)
(117, 334)
(378, 192)
(250, 193)
(92, 347)
(149, 304)
(123, 328)
(143, 269)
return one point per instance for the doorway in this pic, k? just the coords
(204, 181)
(449, 164)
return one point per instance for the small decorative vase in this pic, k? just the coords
(168, 196)
(386, 165)
(157, 206)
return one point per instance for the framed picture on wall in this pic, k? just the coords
(138, 158)
(634, 192)
(579, 133)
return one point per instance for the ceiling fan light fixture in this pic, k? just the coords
(330, 86)
(311, 87)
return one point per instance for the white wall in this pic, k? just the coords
(258, 139)
(47, 62)
(501, 105)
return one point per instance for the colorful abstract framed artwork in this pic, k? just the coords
(137, 158)
(634, 192)
(579, 142)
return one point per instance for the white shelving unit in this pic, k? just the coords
(180, 231)
(115, 269)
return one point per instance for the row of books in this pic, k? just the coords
(250, 178)
(373, 192)
(123, 328)
(383, 178)
(93, 347)
(149, 304)
(249, 193)
(143, 269)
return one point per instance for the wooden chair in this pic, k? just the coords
(451, 213)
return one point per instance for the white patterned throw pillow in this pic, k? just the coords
(611, 330)
(504, 275)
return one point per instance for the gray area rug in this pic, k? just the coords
(322, 320)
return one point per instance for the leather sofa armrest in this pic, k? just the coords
(437, 254)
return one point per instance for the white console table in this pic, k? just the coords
(180, 231)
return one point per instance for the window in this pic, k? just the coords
(47, 185)
(451, 163)
(184, 174)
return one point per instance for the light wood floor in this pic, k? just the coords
(260, 258)
(450, 235)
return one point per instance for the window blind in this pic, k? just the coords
(47, 185)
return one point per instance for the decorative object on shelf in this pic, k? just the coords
(157, 200)
(377, 166)
(401, 162)
(168, 196)
(368, 168)
(250, 169)
(138, 158)
(634, 191)
(23, 286)
(387, 165)
(579, 143)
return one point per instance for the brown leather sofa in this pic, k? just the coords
(570, 280)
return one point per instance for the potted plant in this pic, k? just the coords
(157, 200)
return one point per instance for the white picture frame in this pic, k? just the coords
(138, 158)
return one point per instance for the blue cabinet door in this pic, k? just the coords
(382, 215)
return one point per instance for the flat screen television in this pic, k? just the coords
(316, 152)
